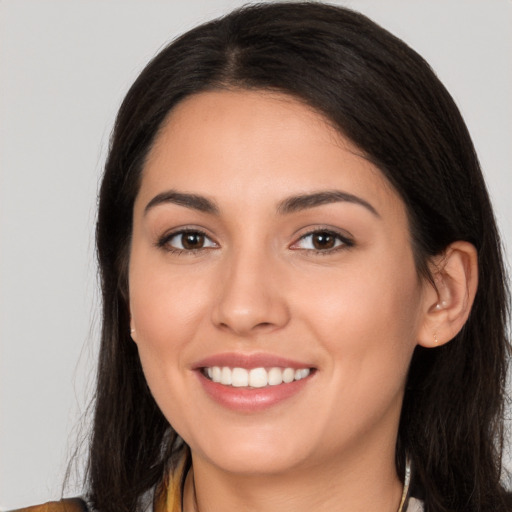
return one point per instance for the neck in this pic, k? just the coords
(352, 486)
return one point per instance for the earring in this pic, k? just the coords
(436, 341)
(440, 305)
(132, 331)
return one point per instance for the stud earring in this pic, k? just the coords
(132, 331)
(440, 305)
(436, 341)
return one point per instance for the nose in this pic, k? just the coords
(252, 295)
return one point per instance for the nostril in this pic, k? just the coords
(248, 313)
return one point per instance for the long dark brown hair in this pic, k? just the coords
(385, 98)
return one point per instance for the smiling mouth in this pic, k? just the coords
(255, 377)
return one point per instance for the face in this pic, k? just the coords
(272, 284)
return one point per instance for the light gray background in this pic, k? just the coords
(64, 67)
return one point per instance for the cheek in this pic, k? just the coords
(367, 323)
(167, 306)
(165, 300)
(368, 316)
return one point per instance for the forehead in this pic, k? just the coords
(257, 146)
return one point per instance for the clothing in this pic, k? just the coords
(415, 505)
(166, 499)
(67, 505)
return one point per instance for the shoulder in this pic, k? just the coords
(65, 505)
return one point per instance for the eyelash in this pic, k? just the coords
(164, 241)
(345, 242)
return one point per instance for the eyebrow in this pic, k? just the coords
(287, 206)
(193, 201)
(305, 201)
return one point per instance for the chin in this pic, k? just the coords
(254, 452)
(252, 462)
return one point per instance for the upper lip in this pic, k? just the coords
(248, 361)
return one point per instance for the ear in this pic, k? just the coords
(447, 302)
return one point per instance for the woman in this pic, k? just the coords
(303, 292)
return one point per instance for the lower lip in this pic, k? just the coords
(251, 399)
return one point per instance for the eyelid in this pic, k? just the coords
(343, 240)
(346, 240)
(163, 241)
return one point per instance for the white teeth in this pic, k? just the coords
(239, 377)
(225, 376)
(275, 376)
(216, 374)
(300, 374)
(288, 375)
(256, 377)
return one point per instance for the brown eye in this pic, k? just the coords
(323, 240)
(190, 241)
(187, 241)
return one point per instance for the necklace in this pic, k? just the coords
(405, 491)
(407, 481)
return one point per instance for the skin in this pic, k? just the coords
(354, 312)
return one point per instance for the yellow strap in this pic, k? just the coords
(169, 497)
